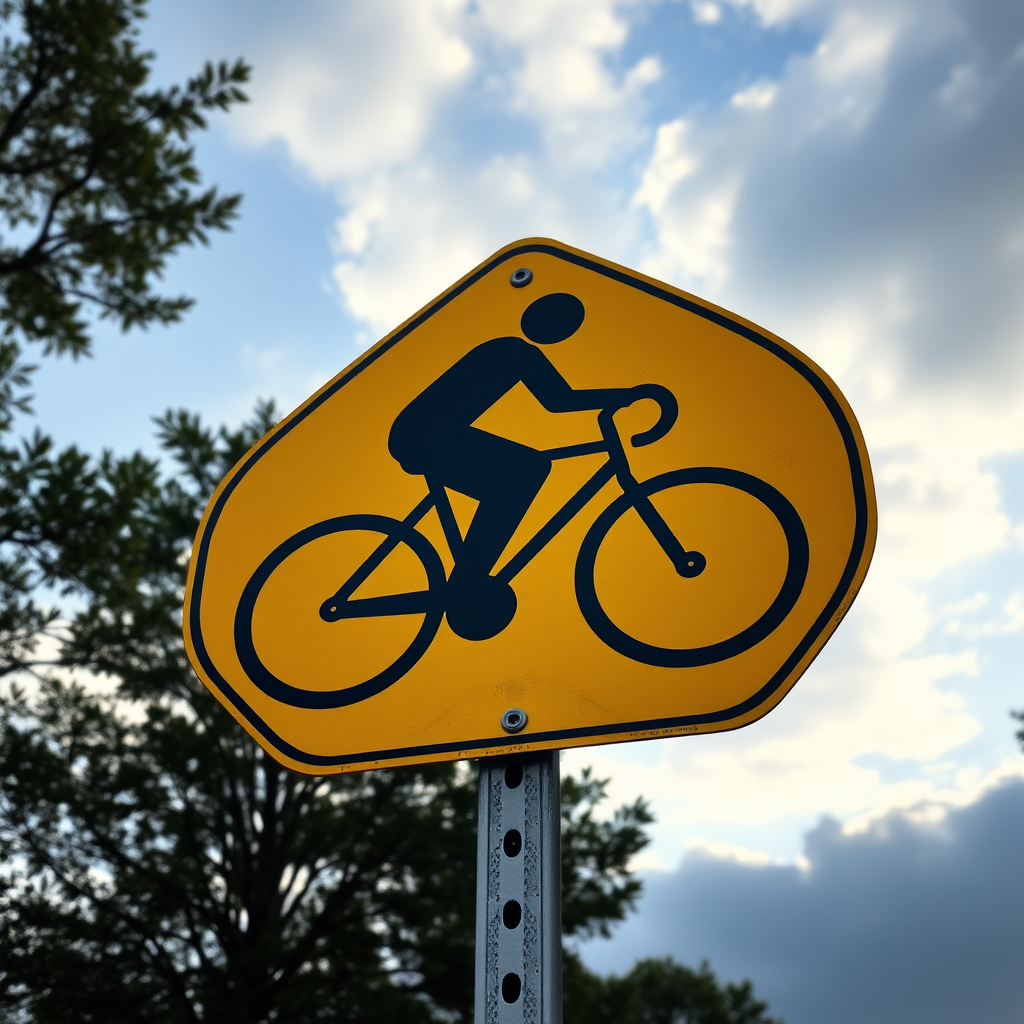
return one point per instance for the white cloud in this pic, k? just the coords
(728, 852)
(706, 12)
(558, 47)
(758, 96)
(856, 47)
(670, 164)
(363, 99)
(960, 91)
(772, 13)
(1010, 620)
(410, 233)
(349, 88)
(646, 72)
(692, 234)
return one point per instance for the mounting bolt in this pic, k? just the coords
(515, 718)
(521, 278)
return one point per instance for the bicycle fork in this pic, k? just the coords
(687, 564)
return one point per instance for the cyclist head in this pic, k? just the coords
(552, 318)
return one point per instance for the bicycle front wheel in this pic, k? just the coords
(295, 655)
(757, 557)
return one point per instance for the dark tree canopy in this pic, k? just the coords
(160, 866)
(658, 992)
(155, 865)
(98, 184)
(596, 887)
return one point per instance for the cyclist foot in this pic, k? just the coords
(479, 607)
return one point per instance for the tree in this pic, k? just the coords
(159, 865)
(597, 888)
(98, 185)
(658, 992)
(155, 864)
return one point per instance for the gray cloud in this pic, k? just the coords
(907, 923)
(899, 184)
(933, 189)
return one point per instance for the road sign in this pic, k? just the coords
(563, 504)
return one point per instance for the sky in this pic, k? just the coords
(847, 173)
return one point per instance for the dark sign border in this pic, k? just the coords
(860, 534)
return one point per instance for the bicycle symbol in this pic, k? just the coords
(433, 602)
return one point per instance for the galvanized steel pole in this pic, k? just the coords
(519, 891)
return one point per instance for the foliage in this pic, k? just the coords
(596, 886)
(160, 867)
(155, 865)
(657, 992)
(98, 184)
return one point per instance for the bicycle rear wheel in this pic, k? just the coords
(763, 622)
(403, 606)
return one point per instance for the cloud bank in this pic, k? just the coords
(916, 919)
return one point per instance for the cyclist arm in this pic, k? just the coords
(552, 390)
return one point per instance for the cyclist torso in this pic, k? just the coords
(463, 393)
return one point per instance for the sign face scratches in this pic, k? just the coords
(562, 493)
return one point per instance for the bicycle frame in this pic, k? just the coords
(433, 602)
(617, 465)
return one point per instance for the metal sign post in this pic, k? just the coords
(519, 891)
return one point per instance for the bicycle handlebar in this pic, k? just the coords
(669, 412)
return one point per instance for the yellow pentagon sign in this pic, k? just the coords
(563, 504)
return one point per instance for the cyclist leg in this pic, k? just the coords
(504, 477)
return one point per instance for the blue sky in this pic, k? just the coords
(850, 174)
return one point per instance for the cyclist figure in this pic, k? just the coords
(434, 437)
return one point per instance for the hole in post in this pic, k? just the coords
(511, 986)
(512, 843)
(511, 914)
(513, 775)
